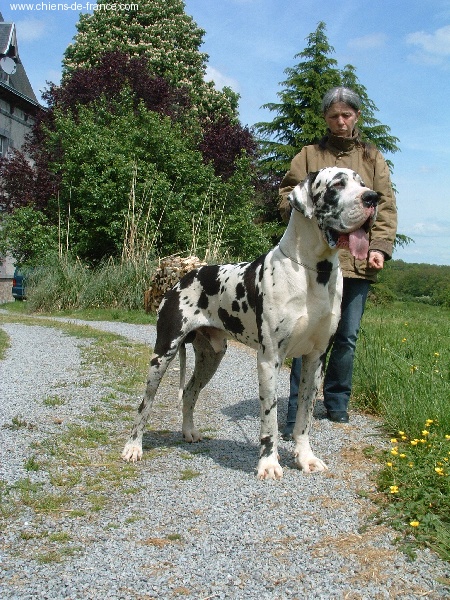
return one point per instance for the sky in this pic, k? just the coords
(399, 48)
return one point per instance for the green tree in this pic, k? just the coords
(27, 236)
(114, 152)
(165, 35)
(299, 121)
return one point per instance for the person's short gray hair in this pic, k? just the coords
(341, 94)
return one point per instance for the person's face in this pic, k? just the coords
(341, 119)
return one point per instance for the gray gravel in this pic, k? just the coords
(221, 534)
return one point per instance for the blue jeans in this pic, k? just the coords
(337, 384)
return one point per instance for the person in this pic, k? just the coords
(343, 146)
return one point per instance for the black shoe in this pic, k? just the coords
(338, 416)
(287, 433)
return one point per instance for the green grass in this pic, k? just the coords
(402, 373)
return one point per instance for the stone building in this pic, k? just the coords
(18, 105)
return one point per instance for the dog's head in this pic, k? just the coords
(344, 207)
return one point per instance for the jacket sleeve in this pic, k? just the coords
(383, 231)
(297, 173)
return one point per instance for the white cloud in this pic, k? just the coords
(429, 229)
(432, 48)
(437, 43)
(368, 42)
(221, 80)
(31, 30)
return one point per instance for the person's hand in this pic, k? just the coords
(376, 260)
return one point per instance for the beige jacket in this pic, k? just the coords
(343, 152)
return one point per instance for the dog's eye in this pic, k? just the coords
(339, 184)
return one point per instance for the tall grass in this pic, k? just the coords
(402, 367)
(402, 372)
(67, 284)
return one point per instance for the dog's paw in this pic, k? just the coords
(132, 452)
(309, 463)
(192, 435)
(269, 468)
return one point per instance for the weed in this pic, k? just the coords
(53, 401)
(31, 464)
(188, 474)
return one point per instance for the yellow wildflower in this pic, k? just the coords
(425, 432)
(394, 489)
(414, 523)
(428, 422)
(404, 340)
(394, 452)
(389, 464)
(413, 368)
(439, 470)
(393, 440)
(402, 455)
(414, 442)
(447, 437)
(436, 354)
(401, 433)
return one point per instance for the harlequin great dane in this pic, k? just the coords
(285, 303)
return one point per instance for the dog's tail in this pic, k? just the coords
(182, 356)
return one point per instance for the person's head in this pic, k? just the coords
(341, 109)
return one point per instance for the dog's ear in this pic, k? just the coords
(301, 196)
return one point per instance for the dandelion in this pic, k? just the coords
(425, 432)
(404, 340)
(414, 523)
(402, 455)
(447, 437)
(393, 440)
(401, 433)
(414, 442)
(394, 451)
(436, 354)
(394, 489)
(439, 470)
(389, 464)
(428, 422)
(413, 368)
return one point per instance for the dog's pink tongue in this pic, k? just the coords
(358, 244)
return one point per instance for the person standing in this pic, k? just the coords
(343, 146)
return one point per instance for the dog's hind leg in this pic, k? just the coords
(311, 379)
(158, 366)
(208, 354)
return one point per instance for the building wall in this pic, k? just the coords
(14, 126)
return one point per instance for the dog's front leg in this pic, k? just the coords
(310, 381)
(268, 465)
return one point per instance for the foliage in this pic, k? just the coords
(402, 373)
(27, 235)
(420, 282)
(109, 144)
(165, 35)
(299, 119)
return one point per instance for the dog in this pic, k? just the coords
(285, 303)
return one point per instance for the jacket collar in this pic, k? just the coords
(342, 144)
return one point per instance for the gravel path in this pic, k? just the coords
(193, 522)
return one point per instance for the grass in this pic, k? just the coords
(402, 373)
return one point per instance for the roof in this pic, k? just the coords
(17, 83)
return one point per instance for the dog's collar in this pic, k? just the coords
(303, 264)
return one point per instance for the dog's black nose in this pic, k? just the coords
(370, 199)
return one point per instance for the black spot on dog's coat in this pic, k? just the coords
(324, 269)
(231, 323)
(203, 300)
(209, 279)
